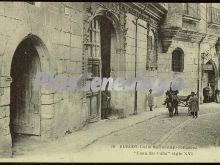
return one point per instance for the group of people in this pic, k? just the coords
(208, 94)
(172, 101)
(211, 95)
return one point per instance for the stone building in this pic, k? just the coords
(190, 40)
(106, 39)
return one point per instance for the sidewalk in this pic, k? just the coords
(67, 148)
(59, 149)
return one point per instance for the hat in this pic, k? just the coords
(176, 92)
(192, 93)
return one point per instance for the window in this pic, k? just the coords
(93, 67)
(151, 51)
(192, 10)
(94, 38)
(177, 60)
(93, 46)
(214, 15)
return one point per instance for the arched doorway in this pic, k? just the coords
(24, 101)
(210, 80)
(101, 54)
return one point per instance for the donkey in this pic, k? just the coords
(169, 102)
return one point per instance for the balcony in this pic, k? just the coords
(191, 12)
(213, 16)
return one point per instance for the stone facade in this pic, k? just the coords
(196, 35)
(57, 31)
(61, 34)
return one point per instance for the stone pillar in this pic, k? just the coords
(47, 114)
(5, 135)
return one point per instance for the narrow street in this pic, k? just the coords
(182, 130)
(179, 130)
(159, 130)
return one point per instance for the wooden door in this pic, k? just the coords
(25, 117)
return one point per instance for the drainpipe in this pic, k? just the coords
(135, 67)
(199, 71)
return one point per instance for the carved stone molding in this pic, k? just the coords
(190, 36)
(167, 35)
(175, 33)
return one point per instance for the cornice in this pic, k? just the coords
(189, 36)
(174, 33)
(154, 10)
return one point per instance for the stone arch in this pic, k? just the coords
(12, 44)
(41, 49)
(210, 78)
(119, 46)
(215, 72)
(33, 54)
(179, 49)
(112, 17)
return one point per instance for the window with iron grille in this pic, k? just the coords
(94, 48)
(177, 60)
(94, 67)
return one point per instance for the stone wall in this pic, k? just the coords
(190, 72)
(59, 27)
(142, 53)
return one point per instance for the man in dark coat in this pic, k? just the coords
(106, 98)
(194, 104)
(217, 96)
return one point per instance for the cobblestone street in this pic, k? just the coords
(156, 130)
(182, 130)
(78, 81)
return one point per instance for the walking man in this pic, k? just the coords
(150, 100)
(194, 104)
(106, 97)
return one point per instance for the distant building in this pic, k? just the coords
(107, 40)
(191, 43)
